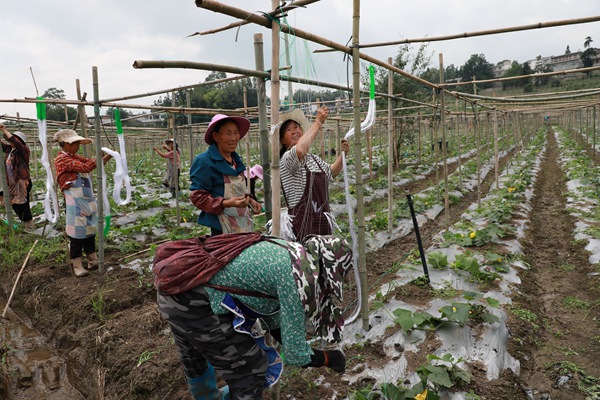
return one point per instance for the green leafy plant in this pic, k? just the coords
(437, 260)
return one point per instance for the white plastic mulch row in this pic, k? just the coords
(488, 346)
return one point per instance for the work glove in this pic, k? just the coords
(333, 359)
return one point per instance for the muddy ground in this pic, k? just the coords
(114, 344)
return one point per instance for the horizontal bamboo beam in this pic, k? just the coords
(520, 100)
(143, 64)
(538, 25)
(512, 78)
(280, 11)
(215, 6)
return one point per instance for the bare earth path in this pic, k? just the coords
(557, 295)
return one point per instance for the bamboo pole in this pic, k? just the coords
(444, 145)
(12, 292)
(275, 173)
(390, 170)
(496, 158)
(267, 23)
(263, 124)
(362, 263)
(539, 25)
(81, 115)
(162, 64)
(99, 168)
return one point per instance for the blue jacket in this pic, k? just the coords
(206, 173)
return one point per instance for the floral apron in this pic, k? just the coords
(235, 219)
(82, 209)
(17, 188)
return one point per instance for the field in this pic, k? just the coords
(511, 310)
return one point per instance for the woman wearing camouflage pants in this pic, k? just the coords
(299, 283)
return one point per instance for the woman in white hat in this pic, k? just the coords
(218, 185)
(73, 175)
(304, 176)
(173, 157)
(16, 159)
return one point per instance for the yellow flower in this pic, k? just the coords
(499, 259)
(453, 309)
(511, 189)
(472, 234)
(421, 396)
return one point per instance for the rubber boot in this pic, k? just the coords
(92, 261)
(204, 387)
(78, 267)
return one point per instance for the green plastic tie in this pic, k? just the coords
(41, 109)
(118, 121)
(107, 224)
(372, 76)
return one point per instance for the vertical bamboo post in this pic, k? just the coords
(188, 104)
(478, 149)
(595, 122)
(99, 168)
(496, 160)
(247, 141)
(175, 160)
(444, 144)
(275, 174)
(419, 138)
(263, 124)
(362, 262)
(459, 148)
(82, 116)
(390, 148)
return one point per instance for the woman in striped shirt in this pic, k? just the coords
(304, 176)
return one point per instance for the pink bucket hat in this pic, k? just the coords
(242, 123)
(255, 172)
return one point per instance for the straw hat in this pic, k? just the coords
(70, 136)
(296, 115)
(21, 136)
(242, 123)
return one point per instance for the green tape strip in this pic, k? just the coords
(107, 224)
(41, 109)
(118, 121)
(372, 76)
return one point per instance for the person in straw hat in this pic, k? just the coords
(304, 176)
(218, 185)
(73, 175)
(173, 156)
(18, 177)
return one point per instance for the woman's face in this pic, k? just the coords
(227, 137)
(72, 148)
(293, 132)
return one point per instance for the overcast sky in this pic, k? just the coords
(61, 40)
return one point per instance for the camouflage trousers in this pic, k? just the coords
(201, 337)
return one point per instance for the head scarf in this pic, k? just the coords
(319, 268)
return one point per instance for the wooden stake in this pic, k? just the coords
(18, 277)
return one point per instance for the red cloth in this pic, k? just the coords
(182, 265)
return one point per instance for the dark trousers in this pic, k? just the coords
(202, 337)
(78, 246)
(23, 211)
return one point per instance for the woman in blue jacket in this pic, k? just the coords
(218, 186)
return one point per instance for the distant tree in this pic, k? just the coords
(568, 50)
(540, 68)
(415, 64)
(56, 112)
(588, 55)
(476, 66)
(515, 69)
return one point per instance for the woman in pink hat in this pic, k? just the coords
(218, 185)
(16, 158)
(304, 176)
